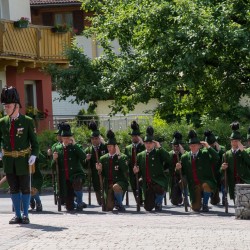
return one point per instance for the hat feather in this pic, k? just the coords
(208, 133)
(235, 126)
(110, 134)
(192, 134)
(93, 126)
(150, 130)
(134, 125)
(65, 127)
(177, 135)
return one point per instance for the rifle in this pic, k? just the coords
(58, 194)
(226, 186)
(182, 187)
(101, 183)
(89, 180)
(138, 202)
(53, 178)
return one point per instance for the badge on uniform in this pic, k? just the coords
(20, 131)
(103, 152)
(117, 167)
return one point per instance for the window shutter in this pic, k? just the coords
(78, 21)
(47, 18)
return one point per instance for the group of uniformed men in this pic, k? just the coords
(148, 167)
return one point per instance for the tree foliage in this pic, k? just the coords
(192, 55)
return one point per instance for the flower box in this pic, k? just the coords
(19, 24)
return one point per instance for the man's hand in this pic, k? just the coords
(224, 165)
(135, 169)
(55, 156)
(204, 144)
(32, 159)
(240, 146)
(101, 139)
(157, 144)
(140, 140)
(88, 157)
(49, 152)
(117, 150)
(98, 167)
(178, 166)
(182, 151)
(217, 146)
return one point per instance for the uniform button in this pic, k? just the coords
(70, 168)
(69, 158)
(152, 164)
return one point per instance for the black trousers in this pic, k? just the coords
(18, 183)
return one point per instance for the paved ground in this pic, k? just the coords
(94, 229)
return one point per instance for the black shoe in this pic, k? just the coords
(25, 220)
(39, 207)
(15, 220)
(121, 208)
(158, 207)
(205, 208)
(80, 207)
(32, 204)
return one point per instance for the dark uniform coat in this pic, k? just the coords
(242, 166)
(102, 150)
(119, 171)
(158, 163)
(174, 177)
(25, 137)
(128, 151)
(37, 177)
(204, 161)
(76, 157)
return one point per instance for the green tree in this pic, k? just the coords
(193, 56)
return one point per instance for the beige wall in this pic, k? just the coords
(141, 108)
(15, 9)
(245, 101)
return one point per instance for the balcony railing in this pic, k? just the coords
(34, 42)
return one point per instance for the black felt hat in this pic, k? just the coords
(66, 130)
(135, 128)
(111, 138)
(235, 126)
(93, 127)
(149, 134)
(210, 138)
(10, 95)
(193, 138)
(177, 138)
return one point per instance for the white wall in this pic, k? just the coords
(65, 107)
(15, 9)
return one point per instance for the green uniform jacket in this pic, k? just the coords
(25, 137)
(158, 162)
(76, 157)
(128, 153)
(172, 172)
(204, 161)
(243, 168)
(94, 173)
(37, 177)
(119, 171)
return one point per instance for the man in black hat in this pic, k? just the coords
(196, 167)
(211, 139)
(70, 159)
(97, 149)
(131, 151)
(151, 164)
(236, 161)
(175, 192)
(18, 142)
(113, 168)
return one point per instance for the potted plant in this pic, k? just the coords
(61, 28)
(23, 22)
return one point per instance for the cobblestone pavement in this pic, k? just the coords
(172, 228)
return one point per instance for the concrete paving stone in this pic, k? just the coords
(94, 229)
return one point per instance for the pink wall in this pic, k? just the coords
(43, 89)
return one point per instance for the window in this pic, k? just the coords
(30, 93)
(63, 18)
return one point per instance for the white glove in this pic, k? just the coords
(32, 159)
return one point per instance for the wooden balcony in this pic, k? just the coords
(32, 47)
